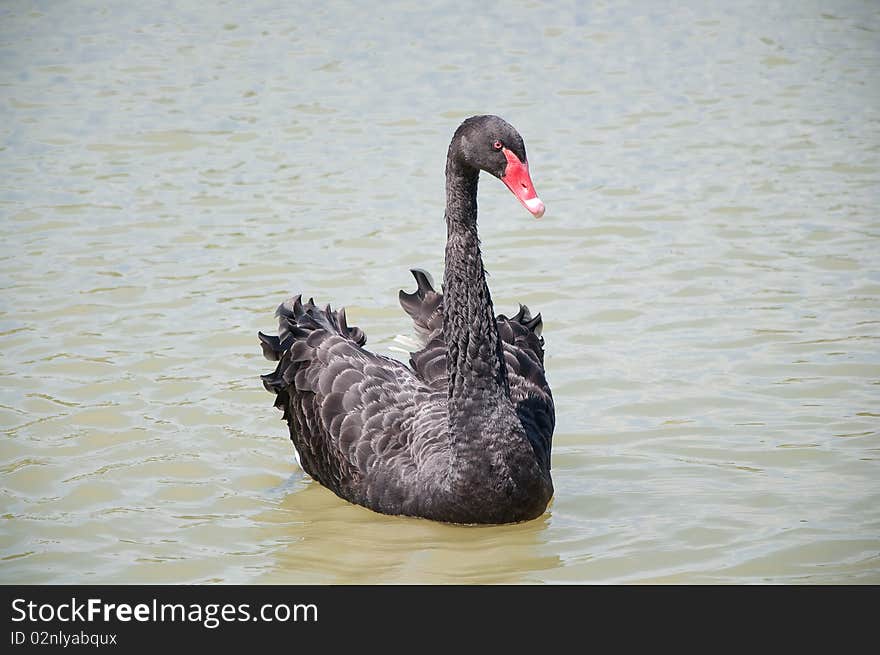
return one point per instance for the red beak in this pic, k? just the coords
(517, 179)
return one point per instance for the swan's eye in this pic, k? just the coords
(498, 145)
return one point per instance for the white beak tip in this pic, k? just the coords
(535, 206)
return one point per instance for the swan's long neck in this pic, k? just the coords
(474, 361)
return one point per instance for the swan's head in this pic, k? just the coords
(491, 144)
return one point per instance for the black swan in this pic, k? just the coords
(463, 434)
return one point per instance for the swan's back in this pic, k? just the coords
(375, 431)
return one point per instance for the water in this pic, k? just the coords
(707, 270)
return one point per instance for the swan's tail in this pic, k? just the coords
(425, 306)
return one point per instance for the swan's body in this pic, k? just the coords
(463, 434)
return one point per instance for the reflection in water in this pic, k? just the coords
(706, 270)
(341, 543)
